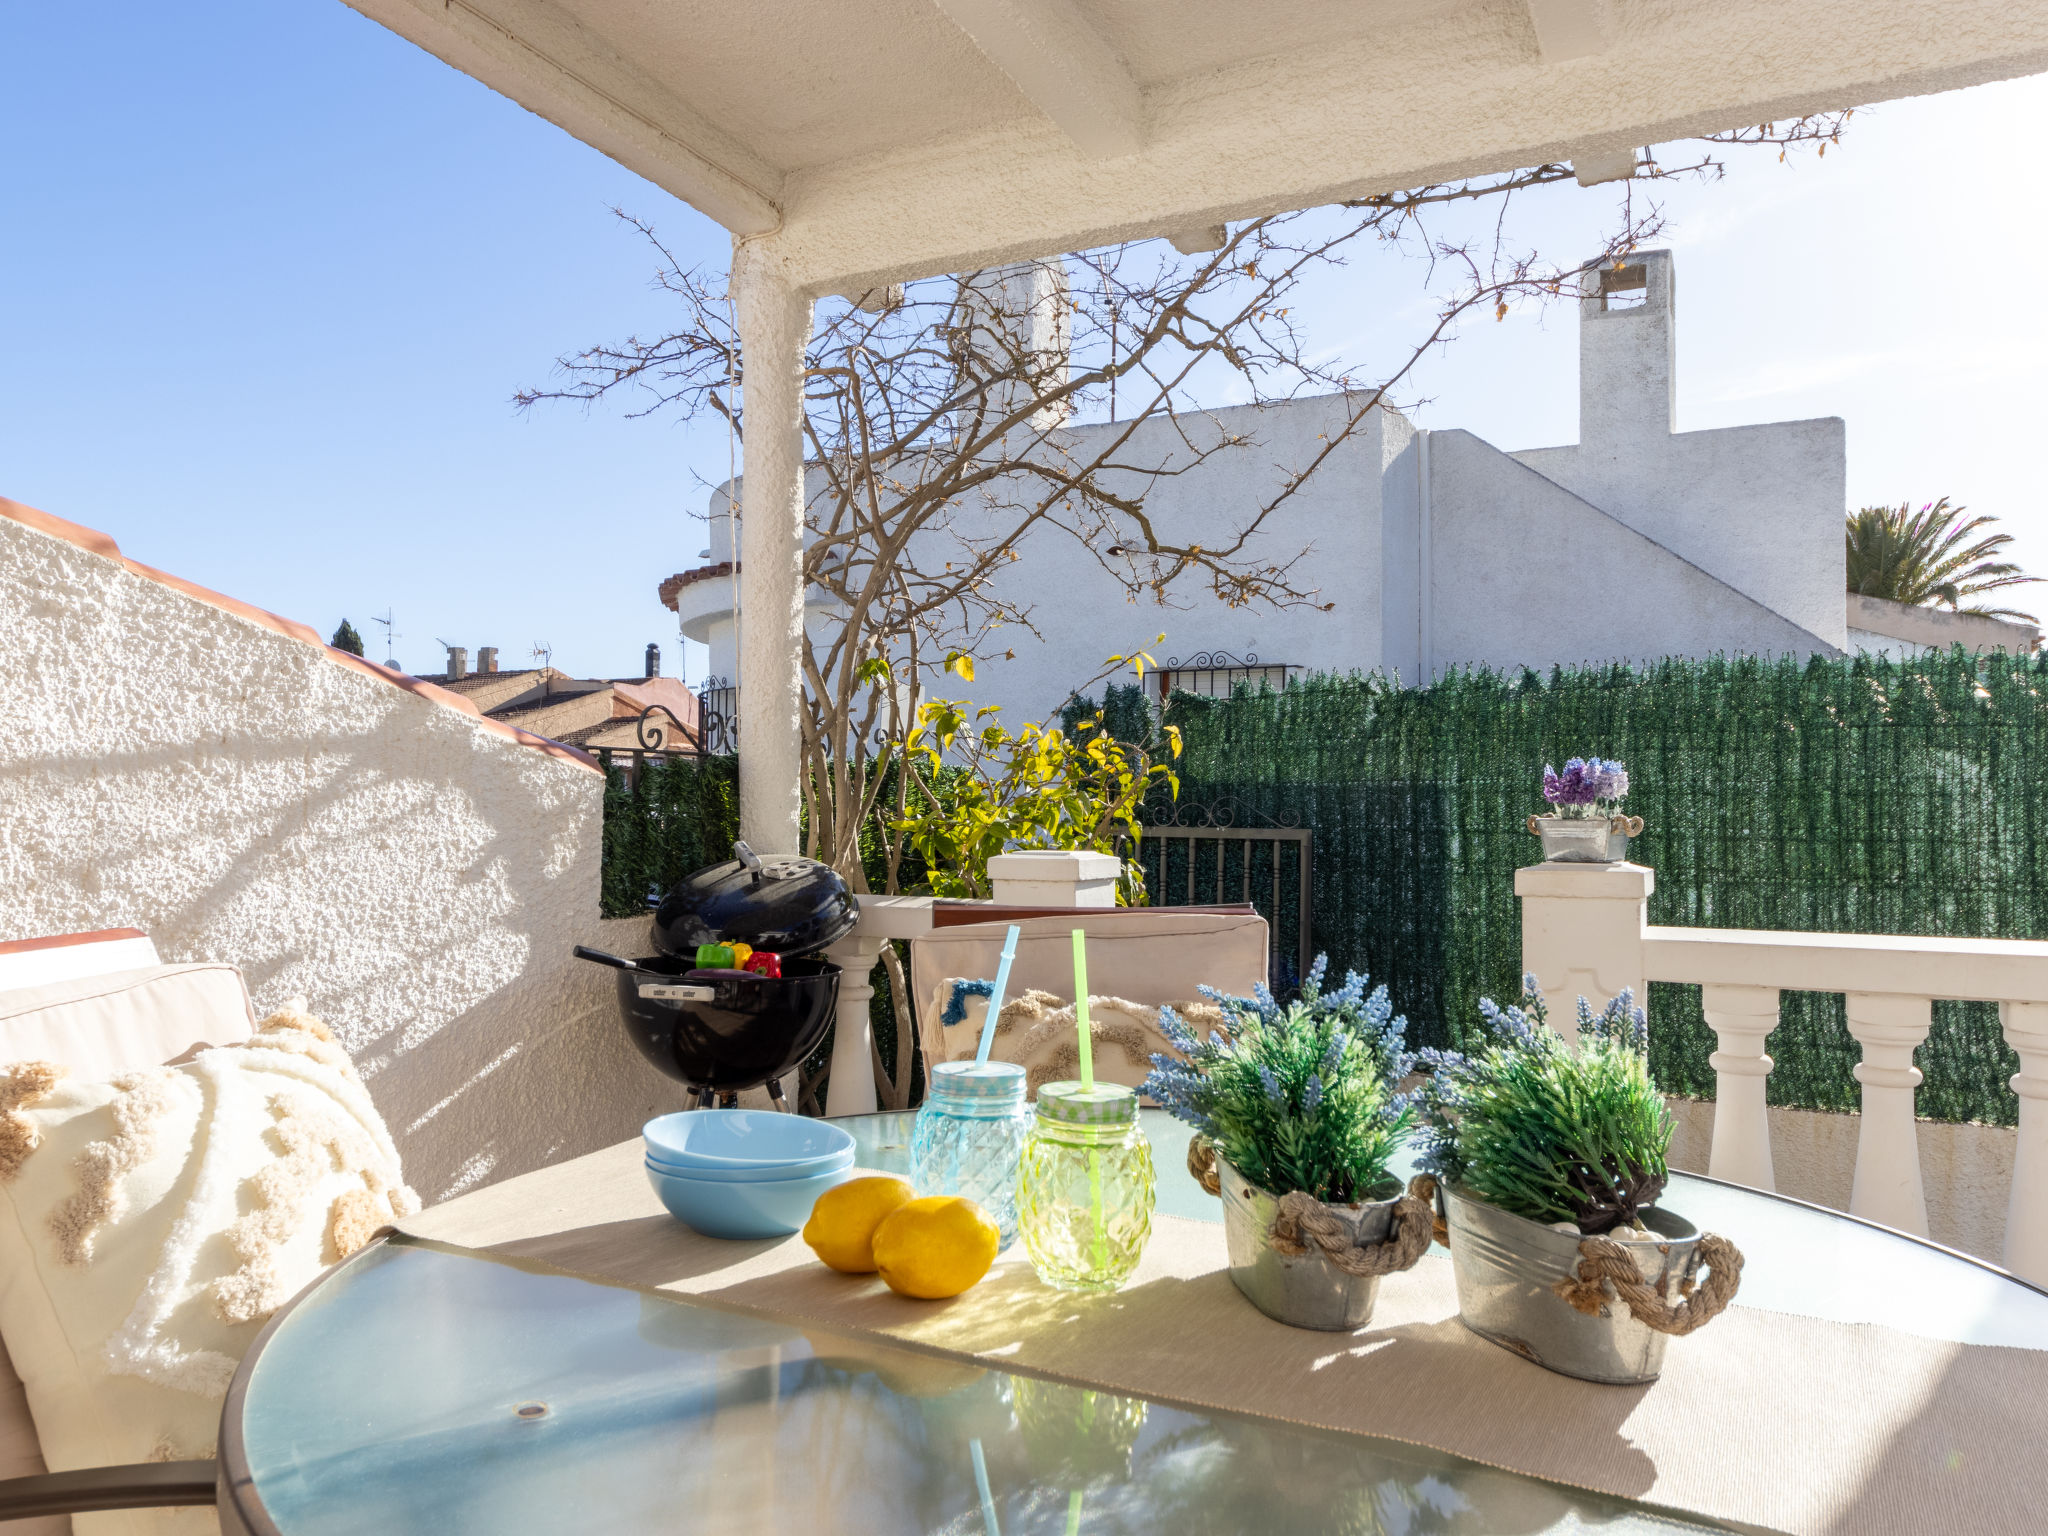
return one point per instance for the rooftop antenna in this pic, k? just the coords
(544, 653)
(391, 639)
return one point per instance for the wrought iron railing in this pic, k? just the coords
(1201, 855)
(1214, 674)
(718, 707)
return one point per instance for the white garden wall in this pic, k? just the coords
(176, 762)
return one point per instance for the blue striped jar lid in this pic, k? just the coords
(1068, 1103)
(979, 1080)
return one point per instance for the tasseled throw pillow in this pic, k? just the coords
(151, 1224)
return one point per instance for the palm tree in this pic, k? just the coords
(1926, 557)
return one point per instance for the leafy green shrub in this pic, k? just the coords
(1300, 1097)
(1545, 1130)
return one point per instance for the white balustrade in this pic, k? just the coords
(1887, 1187)
(1741, 1018)
(2026, 1235)
(1585, 932)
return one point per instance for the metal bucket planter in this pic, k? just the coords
(1308, 1291)
(1509, 1269)
(1585, 839)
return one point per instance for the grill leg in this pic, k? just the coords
(775, 1095)
(706, 1098)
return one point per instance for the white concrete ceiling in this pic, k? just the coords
(866, 141)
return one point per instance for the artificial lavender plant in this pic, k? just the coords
(1587, 787)
(1547, 1130)
(1296, 1097)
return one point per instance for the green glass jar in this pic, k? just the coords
(1085, 1187)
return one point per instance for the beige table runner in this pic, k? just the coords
(1787, 1423)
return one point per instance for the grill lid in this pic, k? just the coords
(785, 905)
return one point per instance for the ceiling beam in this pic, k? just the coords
(552, 65)
(1569, 29)
(1052, 54)
(1369, 116)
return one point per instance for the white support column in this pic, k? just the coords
(1887, 1187)
(1582, 934)
(2026, 1213)
(1741, 1018)
(774, 326)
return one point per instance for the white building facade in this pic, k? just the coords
(1435, 549)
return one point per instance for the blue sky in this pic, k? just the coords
(272, 274)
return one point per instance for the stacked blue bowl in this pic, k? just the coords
(744, 1173)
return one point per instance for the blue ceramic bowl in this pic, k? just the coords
(769, 1208)
(744, 1175)
(744, 1138)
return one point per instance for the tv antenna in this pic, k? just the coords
(391, 639)
(544, 653)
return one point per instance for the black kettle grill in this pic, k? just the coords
(718, 1031)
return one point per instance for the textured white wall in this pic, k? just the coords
(1760, 507)
(241, 796)
(1562, 581)
(1082, 614)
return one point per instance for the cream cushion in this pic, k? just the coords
(153, 1221)
(100, 1025)
(1137, 960)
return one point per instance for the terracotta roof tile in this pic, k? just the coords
(100, 544)
(675, 584)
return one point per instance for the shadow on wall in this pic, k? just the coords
(416, 877)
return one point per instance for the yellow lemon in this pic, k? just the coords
(934, 1247)
(841, 1230)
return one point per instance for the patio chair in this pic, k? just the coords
(1138, 959)
(104, 1003)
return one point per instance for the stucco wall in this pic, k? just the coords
(1565, 581)
(170, 764)
(1082, 614)
(1759, 507)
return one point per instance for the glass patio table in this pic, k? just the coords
(424, 1388)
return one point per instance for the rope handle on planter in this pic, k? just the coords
(1607, 1273)
(1303, 1219)
(1631, 826)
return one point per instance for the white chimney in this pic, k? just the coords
(1016, 320)
(1628, 361)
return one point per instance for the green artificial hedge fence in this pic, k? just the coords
(1858, 795)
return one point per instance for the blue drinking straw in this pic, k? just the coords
(995, 998)
(988, 1502)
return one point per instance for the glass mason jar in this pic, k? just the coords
(969, 1134)
(1085, 1190)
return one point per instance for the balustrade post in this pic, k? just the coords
(1741, 1018)
(1887, 1187)
(2026, 1212)
(1582, 934)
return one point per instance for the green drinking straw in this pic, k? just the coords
(995, 998)
(1094, 1158)
(1081, 1011)
(988, 1502)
